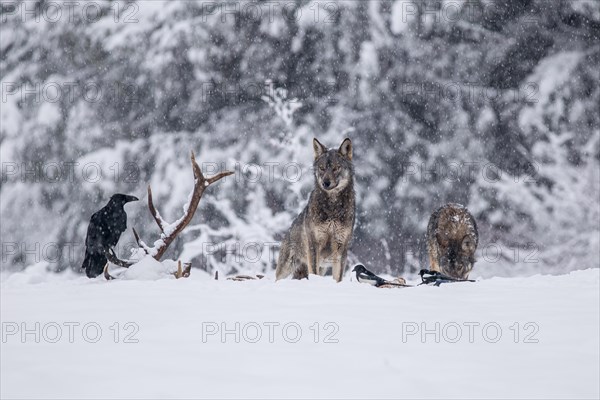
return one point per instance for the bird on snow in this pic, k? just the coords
(104, 231)
(437, 278)
(363, 275)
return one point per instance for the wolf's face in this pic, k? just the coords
(333, 168)
(457, 258)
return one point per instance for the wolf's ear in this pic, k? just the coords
(319, 148)
(346, 149)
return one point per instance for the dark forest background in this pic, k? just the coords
(492, 104)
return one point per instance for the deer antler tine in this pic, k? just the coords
(137, 237)
(112, 257)
(179, 272)
(107, 276)
(196, 168)
(153, 210)
(140, 243)
(199, 175)
(218, 176)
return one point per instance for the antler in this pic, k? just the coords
(185, 272)
(170, 231)
(110, 255)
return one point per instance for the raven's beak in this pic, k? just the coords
(131, 198)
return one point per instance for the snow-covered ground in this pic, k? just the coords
(519, 337)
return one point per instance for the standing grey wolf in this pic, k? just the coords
(452, 239)
(321, 233)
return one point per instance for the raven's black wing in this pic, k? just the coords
(106, 227)
(96, 233)
(94, 260)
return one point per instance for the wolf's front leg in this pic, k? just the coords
(339, 264)
(434, 254)
(313, 256)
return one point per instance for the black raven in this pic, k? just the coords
(104, 231)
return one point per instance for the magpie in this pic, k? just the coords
(437, 278)
(104, 231)
(363, 275)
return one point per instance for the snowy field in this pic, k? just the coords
(533, 337)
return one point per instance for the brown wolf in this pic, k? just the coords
(321, 233)
(452, 239)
